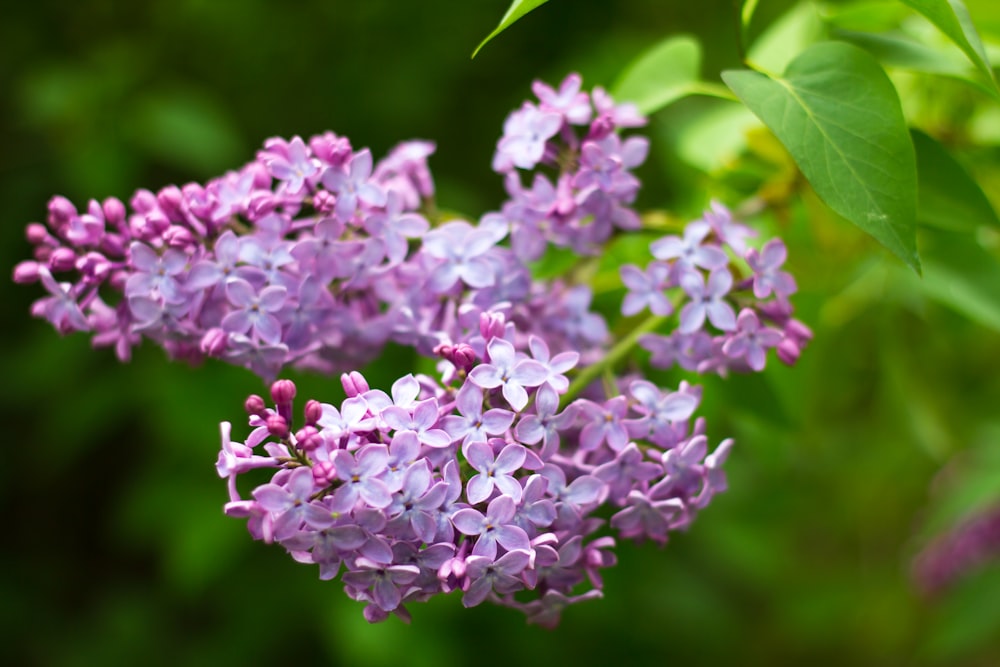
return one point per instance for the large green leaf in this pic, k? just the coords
(838, 114)
(517, 9)
(952, 18)
(948, 197)
(661, 75)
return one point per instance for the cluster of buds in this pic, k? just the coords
(517, 465)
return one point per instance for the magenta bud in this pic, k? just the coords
(94, 266)
(314, 412)
(283, 392)
(143, 201)
(491, 325)
(114, 211)
(42, 253)
(324, 472)
(118, 279)
(798, 331)
(788, 351)
(177, 237)
(354, 383)
(61, 211)
(26, 273)
(113, 245)
(36, 233)
(171, 201)
(254, 405)
(602, 126)
(324, 201)
(308, 438)
(277, 426)
(261, 179)
(62, 259)
(213, 343)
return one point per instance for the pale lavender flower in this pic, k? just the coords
(751, 341)
(525, 133)
(155, 274)
(253, 311)
(508, 372)
(384, 581)
(689, 252)
(294, 165)
(493, 528)
(569, 100)
(767, 277)
(707, 300)
(61, 308)
(486, 575)
(645, 289)
(461, 248)
(603, 423)
(353, 185)
(287, 502)
(474, 425)
(496, 472)
(422, 422)
(361, 475)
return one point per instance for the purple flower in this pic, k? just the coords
(61, 309)
(569, 101)
(498, 472)
(394, 226)
(253, 310)
(525, 133)
(352, 185)
(604, 423)
(461, 247)
(555, 366)
(360, 476)
(411, 507)
(421, 422)
(474, 425)
(154, 274)
(384, 580)
(496, 527)
(486, 575)
(645, 289)
(505, 370)
(288, 502)
(628, 467)
(545, 424)
(294, 165)
(767, 277)
(644, 517)
(707, 301)
(689, 251)
(751, 341)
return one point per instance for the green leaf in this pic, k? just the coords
(952, 18)
(839, 116)
(948, 197)
(661, 75)
(962, 275)
(517, 9)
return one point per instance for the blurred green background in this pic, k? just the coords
(116, 551)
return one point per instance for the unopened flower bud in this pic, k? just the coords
(36, 233)
(308, 438)
(354, 383)
(491, 325)
(62, 259)
(178, 237)
(114, 211)
(254, 405)
(313, 412)
(213, 343)
(788, 351)
(324, 201)
(283, 391)
(324, 472)
(26, 273)
(277, 426)
(61, 211)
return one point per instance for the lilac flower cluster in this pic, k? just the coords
(575, 134)
(518, 465)
(702, 269)
(480, 484)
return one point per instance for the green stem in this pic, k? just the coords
(614, 355)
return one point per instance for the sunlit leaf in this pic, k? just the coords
(661, 75)
(786, 37)
(517, 9)
(948, 197)
(838, 114)
(952, 18)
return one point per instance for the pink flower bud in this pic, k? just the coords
(308, 438)
(788, 351)
(324, 472)
(277, 426)
(62, 259)
(491, 325)
(354, 383)
(36, 233)
(114, 211)
(283, 392)
(254, 405)
(26, 273)
(178, 237)
(213, 343)
(61, 211)
(313, 412)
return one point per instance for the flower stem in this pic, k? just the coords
(614, 355)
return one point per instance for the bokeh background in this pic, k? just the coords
(115, 548)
